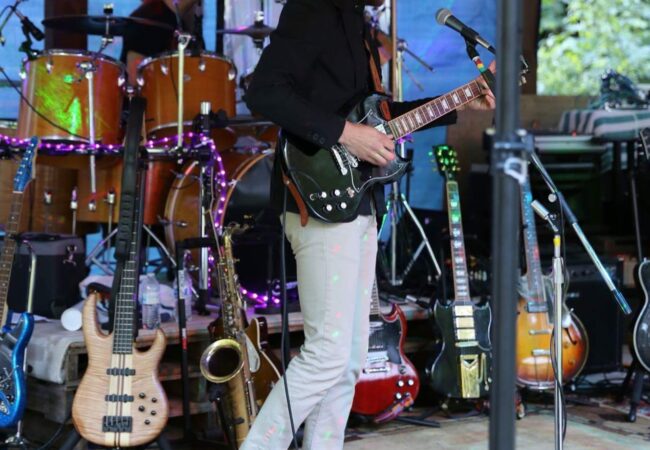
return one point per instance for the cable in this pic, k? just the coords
(33, 108)
(56, 434)
(284, 340)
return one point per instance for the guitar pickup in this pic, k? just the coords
(120, 371)
(376, 369)
(118, 398)
(536, 332)
(536, 307)
(466, 334)
(540, 352)
(117, 424)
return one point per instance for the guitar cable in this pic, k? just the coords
(284, 339)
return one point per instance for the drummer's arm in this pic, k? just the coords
(183, 5)
(133, 59)
(296, 44)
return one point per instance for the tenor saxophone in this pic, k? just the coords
(226, 359)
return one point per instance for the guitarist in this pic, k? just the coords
(316, 64)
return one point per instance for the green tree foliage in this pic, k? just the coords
(580, 39)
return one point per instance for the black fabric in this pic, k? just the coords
(316, 64)
(154, 41)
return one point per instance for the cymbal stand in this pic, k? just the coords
(397, 201)
(183, 41)
(88, 68)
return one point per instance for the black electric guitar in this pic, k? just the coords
(462, 369)
(332, 181)
(641, 337)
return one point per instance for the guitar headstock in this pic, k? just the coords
(25, 170)
(446, 160)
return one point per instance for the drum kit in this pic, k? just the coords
(74, 101)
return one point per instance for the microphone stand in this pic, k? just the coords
(558, 294)
(571, 218)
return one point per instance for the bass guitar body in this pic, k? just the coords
(388, 378)
(641, 338)
(13, 396)
(120, 401)
(534, 342)
(462, 369)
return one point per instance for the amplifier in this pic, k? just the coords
(590, 299)
(60, 268)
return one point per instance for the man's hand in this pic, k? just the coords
(487, 100)
(368, 144)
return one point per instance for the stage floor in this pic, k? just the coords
(598, 426)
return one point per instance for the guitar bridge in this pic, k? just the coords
(336, 153)
(117, 424)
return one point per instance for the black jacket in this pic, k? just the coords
(314, 66)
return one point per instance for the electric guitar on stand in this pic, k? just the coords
(462, 369)
(13, 340)
(534, 323)
(641, 336)
(389, 382)
(120, 401)
(332, 181)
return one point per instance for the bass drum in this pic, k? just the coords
(247, 199)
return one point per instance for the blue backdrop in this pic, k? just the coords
(443, 49)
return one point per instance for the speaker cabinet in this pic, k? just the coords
(590, 299)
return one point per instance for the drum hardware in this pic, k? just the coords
(47, 197)
(259, 31)
(73, 207)
(183, 41)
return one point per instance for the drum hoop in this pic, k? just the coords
(174, 54)
(73, 52)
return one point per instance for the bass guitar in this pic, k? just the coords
(534, 323)
(120, 401)
(13, 340)
(332, 181)
(388, 382)
(462, 369)
(641, 336)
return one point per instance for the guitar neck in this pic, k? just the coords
(533, 264)
(433, 110)
(7, 256)
(375, 310)
(123, 327)
(457, 241)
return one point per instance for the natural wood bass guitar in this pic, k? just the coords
(120, 401)
(534, 323)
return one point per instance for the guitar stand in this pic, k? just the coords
(635, 375)
(73, 438)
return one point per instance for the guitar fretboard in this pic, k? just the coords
(125, 304)
(7, 256)
(457, 240)
(533, 264)
(433, 110)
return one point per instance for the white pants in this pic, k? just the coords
(336, 271)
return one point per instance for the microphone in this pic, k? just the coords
(29, 25)
(445, 17)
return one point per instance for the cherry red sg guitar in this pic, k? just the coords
(388, 383)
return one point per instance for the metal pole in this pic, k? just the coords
(558, 278)
(507, 151)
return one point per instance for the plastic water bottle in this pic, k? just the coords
(184, 281)
(151, 302)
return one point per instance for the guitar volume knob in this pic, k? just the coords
(343, 206)
(337, 193)
(400, 383)
(410, 382)
(398, 396)
(328, 208)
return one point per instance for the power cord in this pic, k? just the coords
(284, 340)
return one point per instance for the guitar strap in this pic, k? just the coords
(376, 81)
(300, 203)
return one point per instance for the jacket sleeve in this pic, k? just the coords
(285, 64)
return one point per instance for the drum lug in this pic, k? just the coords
(232, 74)
(49, 65)
(22, 73)
(121, 80)
(164, 69)
(201, 65)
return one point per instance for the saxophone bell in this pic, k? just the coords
(222, 360)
